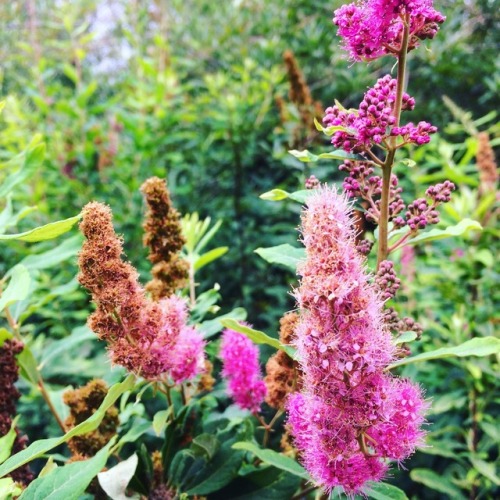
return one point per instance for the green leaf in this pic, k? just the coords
(479, 346)
(279, 195)
(6, 335)
(405, 337)
(26, 163)
(384, 491)
(408, 163)
(78, 335)
(273, 458)
(209, 256)
(211, 327)
(69, 481)
(18, 287)
(205, 445)
(114, 481)
(436, 482)
(42, 233)
(486, 469)
(28, 365)
(8, 488)
(135, 432)
(160, 420)
(275, 195)
(438, 234)
(338, 154)
(39, 448)
(257, 336)
(7, 441)
(66, 250)
(301, 196)
(216, 473)
(285, 255)
(329, 131)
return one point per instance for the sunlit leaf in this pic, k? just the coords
(257, 336)
(479, 346)
(285, 255)
(42, 233)
(18, 287)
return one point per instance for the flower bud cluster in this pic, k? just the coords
(150, 339)
(415, 134)
(371, 123)
(240, 357)
(421, 212)
(373, 28)
(312, 182)
(386, 280)
(361, 183)
(349, 408)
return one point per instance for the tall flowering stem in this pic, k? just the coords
(383, 247)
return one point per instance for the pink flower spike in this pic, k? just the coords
(188, 356)
(240, 359)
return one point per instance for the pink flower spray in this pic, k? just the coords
(351, 414)
(240, 357)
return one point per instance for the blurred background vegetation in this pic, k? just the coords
(211, 95)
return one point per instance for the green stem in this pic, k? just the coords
(383, 249)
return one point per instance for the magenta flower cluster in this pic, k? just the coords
(373, 28)
(351, 414)
(359, 130)
(241, 369)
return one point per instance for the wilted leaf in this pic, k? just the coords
(114, 481)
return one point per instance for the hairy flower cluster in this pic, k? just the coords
(373, 28)
(151, 339)
(281, 370)
(163, 236)
(422, 212)
(371, 123)
(350, 408)
(9, 395)
(240, 359)
(83, 403)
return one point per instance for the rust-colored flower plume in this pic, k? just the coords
(142, 335)
(163, 236)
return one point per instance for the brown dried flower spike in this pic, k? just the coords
(281, 369)
(9, 373)
(163, 236)
(83, 403)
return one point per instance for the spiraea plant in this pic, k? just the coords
(166, 396)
